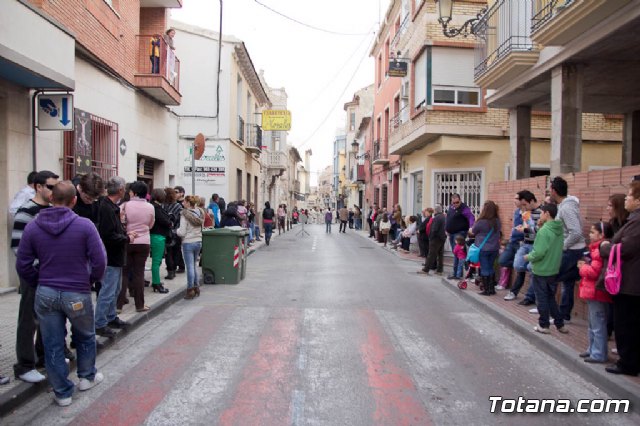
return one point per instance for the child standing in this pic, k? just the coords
(598, 301)
(460, 252)
(545, 259)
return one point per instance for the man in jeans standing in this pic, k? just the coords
(25, 367)
(71, 257)
(574, 243)
(459, 221)
(115, 240)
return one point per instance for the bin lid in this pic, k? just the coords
(230, 230)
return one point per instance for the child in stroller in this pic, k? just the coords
(472, 268)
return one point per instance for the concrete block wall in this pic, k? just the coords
(592, 188)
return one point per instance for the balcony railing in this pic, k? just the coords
(505, 48)
(399, 118)
(158, 69)
(380, 152)
(277, 160)
(543, 11)
(240, 137)
(400, 32)
(254, 138)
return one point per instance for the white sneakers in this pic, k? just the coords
(500, 287)
(33, 376)
(63, 402)
(510, 296)
(86, 384)
(533, 311)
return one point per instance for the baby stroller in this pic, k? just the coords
(472, 268)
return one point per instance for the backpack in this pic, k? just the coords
(613, 275)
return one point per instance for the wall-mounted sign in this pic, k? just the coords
(83, 135)
(397, 68)
(123, 147)
(55, 112)
(275, 120)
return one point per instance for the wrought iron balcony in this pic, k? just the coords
(380, 156)
(399, 118)
(504, 47)
(556, 22)
(254, 138)
(158, 70)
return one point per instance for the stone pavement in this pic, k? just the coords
(564, 347)
(17, 391)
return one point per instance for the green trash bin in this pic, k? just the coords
(222, 258)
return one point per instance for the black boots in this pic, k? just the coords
(489, 286)
(170, 275)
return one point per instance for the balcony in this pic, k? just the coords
(380, 156)
(254, 139)
(277, 160)
(556, 22)
(161, 3)
(400, 117)
(158, 75)
(240, 134)
(505, 49)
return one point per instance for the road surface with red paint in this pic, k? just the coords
(325, 330)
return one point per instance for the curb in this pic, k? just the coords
(24, 392)
(616, 386)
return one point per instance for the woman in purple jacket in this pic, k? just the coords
(487, 225)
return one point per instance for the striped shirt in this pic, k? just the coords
(24, 215)
(532, 226)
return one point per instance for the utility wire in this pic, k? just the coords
(307, 25)
(336, 103)
(332, 79)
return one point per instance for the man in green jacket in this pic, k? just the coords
(545, 259)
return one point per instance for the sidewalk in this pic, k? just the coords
(17, 392)
(563, 347)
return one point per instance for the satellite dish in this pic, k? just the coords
(199, 146)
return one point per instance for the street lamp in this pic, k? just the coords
(445, 14)
(355, 147)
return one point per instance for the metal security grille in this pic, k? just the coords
(467, 184)
(376, 196)
(384, 196)
(104, 149)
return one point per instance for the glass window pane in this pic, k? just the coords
(468, 98)
(444, 96)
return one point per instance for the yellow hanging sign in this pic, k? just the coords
(275, 120)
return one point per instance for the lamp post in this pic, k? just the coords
(445, 14)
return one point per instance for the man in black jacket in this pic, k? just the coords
(437, 238)
(459, 220)
(114, 238)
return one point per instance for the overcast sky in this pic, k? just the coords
(319, 70)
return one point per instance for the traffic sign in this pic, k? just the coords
(55, 111)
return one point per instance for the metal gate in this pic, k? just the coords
(468, 184)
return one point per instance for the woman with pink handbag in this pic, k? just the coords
(627, 301)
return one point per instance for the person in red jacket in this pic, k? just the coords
(598, 301)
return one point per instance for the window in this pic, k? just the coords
(104, 147)
(248, 188)
(384, 196)
(379, 69)
(239, 184)
(376, 196)
(460, 96)
(420, 80)
(352, 120)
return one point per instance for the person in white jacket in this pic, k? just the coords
(190, 231)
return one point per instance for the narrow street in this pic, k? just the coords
(325, 330)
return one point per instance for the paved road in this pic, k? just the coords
(325, 330)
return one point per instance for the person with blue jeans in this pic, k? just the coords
(190, 232)
(573, 244)
(328, 216)
(530, 214)
(487, 237)
(545, 261)
(71, 256)
(459, 220)
(267, 220)
(508, 254)
(114, 238)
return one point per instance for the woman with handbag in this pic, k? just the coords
(191, 233)
(626, 303)
(487, 232)
(173, 245)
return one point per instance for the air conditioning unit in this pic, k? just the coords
(404, 90)
(389, 175)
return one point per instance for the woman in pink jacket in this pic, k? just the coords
(139, 217)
